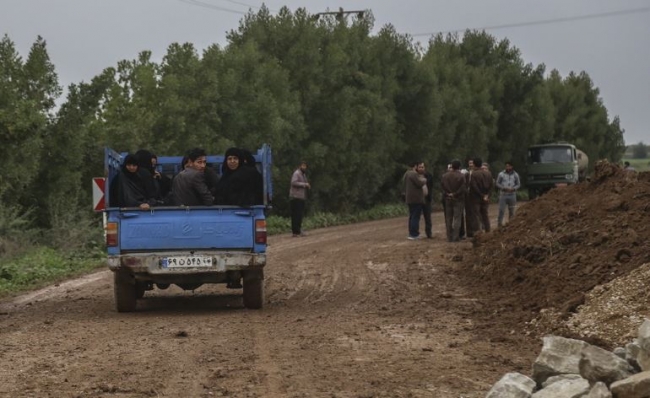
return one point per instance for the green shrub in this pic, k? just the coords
(73, 230)
(43, 265)
(522, 195)
(277, 225)
(16, 232)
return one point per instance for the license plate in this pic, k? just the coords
(186, 261)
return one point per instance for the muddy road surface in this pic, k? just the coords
(352, 311)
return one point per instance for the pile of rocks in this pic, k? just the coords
(568, 368)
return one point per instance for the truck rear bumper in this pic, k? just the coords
(157, 264)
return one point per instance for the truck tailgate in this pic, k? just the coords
(187, 229)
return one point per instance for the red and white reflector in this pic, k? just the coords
(99, 202)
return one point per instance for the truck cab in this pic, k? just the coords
(554, 165)
(186, 245)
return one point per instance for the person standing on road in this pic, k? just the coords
(454, 191)
(471, 218)
(428, 208)
(415, 191)
(298, 198)
(507, 183)
(479, 191)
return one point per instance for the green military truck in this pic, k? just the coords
(554, 165)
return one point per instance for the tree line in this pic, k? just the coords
(358, 106)
(638, 151)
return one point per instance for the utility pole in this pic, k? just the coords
(340, 13)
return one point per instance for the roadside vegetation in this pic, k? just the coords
(278, 225)
(638, 164)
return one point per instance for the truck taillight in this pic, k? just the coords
(111, 234)
(260, 232)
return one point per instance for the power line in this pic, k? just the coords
(544, 21)
(212, 6)
(219, 8)
(242, 4)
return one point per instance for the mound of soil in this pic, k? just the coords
(563, 244)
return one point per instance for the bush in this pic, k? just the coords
(16, 233)
(73, 230)
(277, 225)
(522, 195)
(43, 265)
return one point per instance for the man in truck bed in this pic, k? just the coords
(189, 187)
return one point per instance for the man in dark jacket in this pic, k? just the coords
(479, 191)
(428, 209)
(454, 191)
(189, 187)
(414, 189)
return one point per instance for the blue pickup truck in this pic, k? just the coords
(186, 246)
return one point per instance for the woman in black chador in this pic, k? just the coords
(128, 189)
(241, 183)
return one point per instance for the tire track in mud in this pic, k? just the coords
(266, 362)
(342, 278)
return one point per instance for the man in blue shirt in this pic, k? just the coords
(507, 183)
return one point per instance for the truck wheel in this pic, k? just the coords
(125, 292)
(253, 293)
(532, 194)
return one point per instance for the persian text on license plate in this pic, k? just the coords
(186, 261)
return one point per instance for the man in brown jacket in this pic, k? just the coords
(414, 189)
(454, 191)
(479, 193)
(471, 220)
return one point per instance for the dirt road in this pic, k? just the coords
(353, 311)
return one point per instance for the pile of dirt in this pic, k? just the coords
(564, 244)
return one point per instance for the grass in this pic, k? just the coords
(43, 265)
(279, 225)
(639, 164)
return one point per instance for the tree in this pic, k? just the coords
(640, 151)
(27, 92)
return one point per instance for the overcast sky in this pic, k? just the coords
(85, 36)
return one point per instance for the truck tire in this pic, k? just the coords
(532, 194)
(125, 292)
(253, 293)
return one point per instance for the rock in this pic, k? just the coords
(644, 335)
(559, 355)
(619, 352)
(512, 385)
(643, 359)
(637, 386)
(632, 351)
(597, 364)
(555, 379)
(599, 390)
(564, 389)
